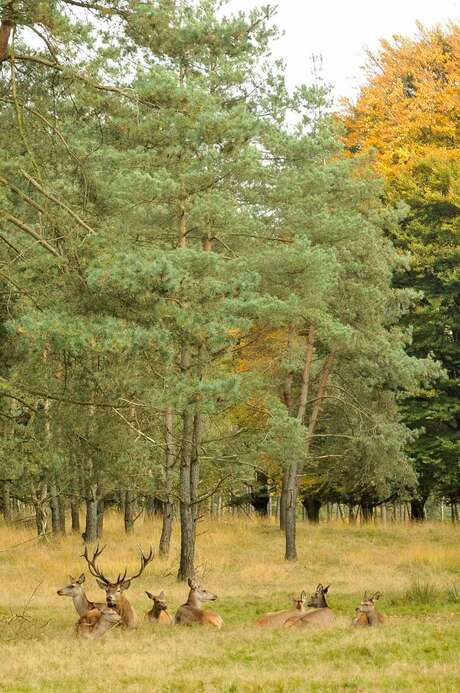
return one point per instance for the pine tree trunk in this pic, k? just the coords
(166, 529)
(90, 533)
(290, 520)
(283, 499)
(62, 512)
(39, 501)
(187, 522)
(100, 516)
(54, 506)
(75, 515)
(129, 511)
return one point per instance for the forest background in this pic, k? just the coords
(215, 293)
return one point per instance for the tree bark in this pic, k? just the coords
(187, 522)
(100, 515)
(75, 515)
(6, 29)
(166, 528)
(39, 501)
(90, 533)
(54, 506)
(129, 511)
(62, 511)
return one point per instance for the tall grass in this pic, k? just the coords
(416, 569)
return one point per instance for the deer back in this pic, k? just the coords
(276, 619)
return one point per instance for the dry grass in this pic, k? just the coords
(416, 568)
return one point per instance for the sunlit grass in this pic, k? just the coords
(417, 569)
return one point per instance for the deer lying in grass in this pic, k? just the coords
(191, 612)
(367, 614)
(76, 590)
(321, 615)
(276, 619)
(96, 622)
(159, 611)
(115, 598)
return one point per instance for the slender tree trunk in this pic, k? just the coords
(195, 464)
(75, 515)
(166, 529)
(90, 533)
(100, 515)
(187, 522)
(129, 511)
(39, 501)
(54, 505)
(291, 481)
(62, 512)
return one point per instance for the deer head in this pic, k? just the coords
(114, 590)
(318, 599)
(366, 613)
(299, 602)
(159, 603)
(75, 588)
(199, 594)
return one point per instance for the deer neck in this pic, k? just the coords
(193, 600)
(126, 611)
(81, 603)
(373, 618)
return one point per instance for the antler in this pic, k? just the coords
(93, 569)
(145, 560)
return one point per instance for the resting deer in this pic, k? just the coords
(115, 598)
(321, 615)
(96, 622)
(276, 619)
(366, 613)
(158, 613)
(191, 612)
(80, 601)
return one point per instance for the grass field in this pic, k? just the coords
(416, 568)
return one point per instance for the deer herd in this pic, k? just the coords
(96, 618)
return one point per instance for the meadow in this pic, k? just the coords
(417, 569)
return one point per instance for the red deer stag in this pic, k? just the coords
(114, 591)
(191, 612)
(159, 611)
(96, 622)
(276, 619)
(321, 615)
(76, 590)
(366, 613)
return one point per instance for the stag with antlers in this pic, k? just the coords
(114, 591)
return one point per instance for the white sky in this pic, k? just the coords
(340, 31)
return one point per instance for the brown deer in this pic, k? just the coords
(115, 598)
(76, 590)
(191, 612)
(159, 611)
(366, 613)
(276, 619)
(96, 622)
(321, 615)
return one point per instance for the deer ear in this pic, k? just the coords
(365, 598)
(125, 585)
(161, 595)
(71, 578)
(150, 595)
(319, 587)
(376, 596)
(190, 583)
(325, 589)
(303, 596)
(81, 579)
(101, 584)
